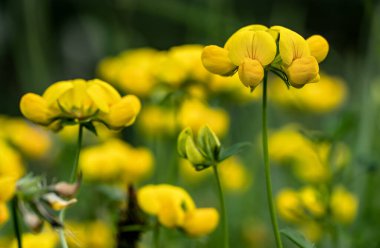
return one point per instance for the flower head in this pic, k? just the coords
(80, 101)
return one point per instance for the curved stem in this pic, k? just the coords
(16, 223)
(222, 207)
(268, 181)
(73, 177)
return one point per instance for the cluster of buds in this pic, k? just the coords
(38, 202)
(203, 152)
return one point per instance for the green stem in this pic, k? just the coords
(272, 209)
(16, 223)
(222, 207)
(156, 234)
(73, 177)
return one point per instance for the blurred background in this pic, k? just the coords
(45, 41)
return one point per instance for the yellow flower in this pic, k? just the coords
(96, 234)
(4, 214)
(216, 60)
(289, 205)
(234, 175)
(344, 205)
(80, 101)
(195, 114)
(298, 63)
(169, 203)
(312, 202)
(116, 160)
(319, 47)
(11, 164)
(157, 121)
(201, 221)
(332, 90)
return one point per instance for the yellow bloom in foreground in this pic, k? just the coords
(331, 89)
(216, 60)
(298, 63)
(45, 239)
(344, 205)
(169, 203)
(319, 47)
(80, 101)
(174, 208)
(201, 221)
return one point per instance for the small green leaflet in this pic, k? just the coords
(236, 148)
(297, 238)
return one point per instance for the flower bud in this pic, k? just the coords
(193, 154)
(56, 202)
(319, 47)
(251, 73)
(201, 221)
(34, 222)
(35, 108)
(181, 142)
(209, 142)
(67, 190)
(302, 71)
(216, 60)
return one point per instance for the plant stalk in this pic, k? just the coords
(222, 207)
(16, 224)
(268, 180)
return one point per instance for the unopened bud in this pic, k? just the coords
(209, 142)
(194, 155)
(56, 202)
(67, 190)
(181, 143)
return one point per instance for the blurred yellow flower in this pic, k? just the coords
(45, 239)
(10, 162)
(80, 101)
(4, 214)
(96, 234)
(157, 121)
(116, 160)
(289, 205)
(8, 187)
(195, 114)
(31, 140)
(234, 176)
(201, 221)
(312, 201)
(344, 205)
(175, 208)
(331, 89)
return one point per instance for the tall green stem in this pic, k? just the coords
(73, 177)
(268, 181)
(222, 207)
(16, 223)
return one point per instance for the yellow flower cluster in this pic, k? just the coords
(233, 174)
(80, 101)
(115, 160)
(255, 48)
(332, 90)
(313, 162)
(309, 207)
(175, 208)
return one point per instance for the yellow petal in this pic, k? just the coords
(215, 59)
(103, 94)
(256, 45)
(201, 221)
(292, 46)
(319, 47)
(302, 71)
(251, 73)
(253, 27)
(53, 92)
(8, 188)
(4, 214)
(35, 108)
(344, 205)
(123, 113)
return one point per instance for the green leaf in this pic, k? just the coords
(297, 238)
(90, 127)
(236, 148)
